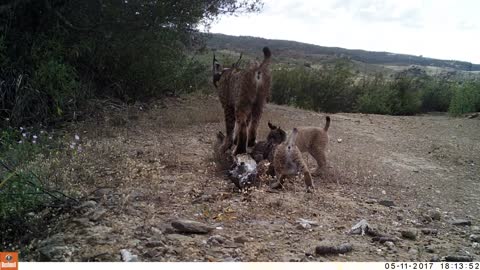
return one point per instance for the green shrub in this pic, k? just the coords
(436, 95)
(407, 95)
(466, 98)
(18, 187)
(58, 82)
(376, 96)
(330, 90)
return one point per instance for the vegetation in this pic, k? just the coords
(338, 89)
(55, 55)
(466, 98)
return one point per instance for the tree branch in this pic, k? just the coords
(64, 20)
(6, 7)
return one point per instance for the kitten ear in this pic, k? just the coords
(271, 126)
(293, 137)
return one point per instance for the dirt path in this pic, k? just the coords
(155, 166)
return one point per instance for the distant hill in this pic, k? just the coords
(285, 48)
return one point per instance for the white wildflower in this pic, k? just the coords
(21, 128)
(34, 142)
(77, 138)
(20, 142)
(24, 135)
(34, 137)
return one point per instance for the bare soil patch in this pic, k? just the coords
(155, 165)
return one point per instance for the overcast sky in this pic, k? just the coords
(445, 29)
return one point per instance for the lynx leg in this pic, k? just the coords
(229, 125)
(321, 160)
(253, 126)
(307, 177)
(241, 135)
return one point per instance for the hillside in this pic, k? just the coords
(285, 48)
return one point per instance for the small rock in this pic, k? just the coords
(306, 224)
(326, 249)
(166, 228)
(476, 245)
(103, 192)
(387, 203)
(88, 204)
(428, 231)
(84, 222)
(127, 256)
(339, 140)
(154, 243)
(475, 238)
(435, 215)
(371, 201)
(204, 198)
(475, 229)
(426, 219)
(240, 239)
(429, 249)
(54, 248)
(361, 228)
(458, 258)
(383, 239)
(410, 234)
(98, 214)
(435, 258)
(390, 245)
(190, 226)
(416, 170)
(413, 251)
(216, 240)
(461, 222)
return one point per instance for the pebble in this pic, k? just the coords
(458, 258)
(390, 245)
(461, 222)
(410, 234)
(325, 249)
(240, 239)
(429, 231)
(475, 238)
(127, 256)
(387, 203)
(371, 201)
(190, 226)
(216, 240)
(435, 215)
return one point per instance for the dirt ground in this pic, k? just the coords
(146, 166)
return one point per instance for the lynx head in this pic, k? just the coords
(277, 135)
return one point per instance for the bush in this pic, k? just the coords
(58, 84)
(330, 90)
(406, 93)
(437, 95)
(54, 54)
(466, 98)
(376, 96)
